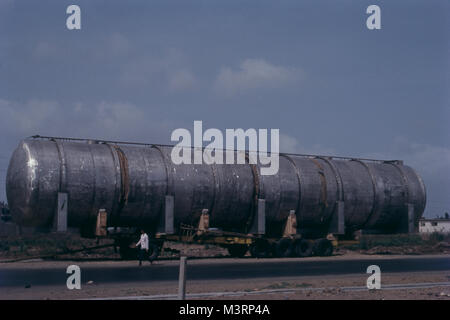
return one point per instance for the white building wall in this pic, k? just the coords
(430, 226)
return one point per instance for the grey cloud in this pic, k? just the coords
(253, 74)
(22, 118)
(430, 160)
(292, 145)
(170, 72)
(118, 44)
(181, 80)
(109, 120)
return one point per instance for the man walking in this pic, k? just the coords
(143, 243)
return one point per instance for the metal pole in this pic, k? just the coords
(182, 279)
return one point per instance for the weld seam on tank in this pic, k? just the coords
(422, 187)
(297, 172)
(169, 183)
(405, 180)
(375, 198)
(124, 179)
(114, 214)
(351, 217)
(161, 211)
(323, 188)
(281, 214)
(339, 184)
(424, 193)
(144, 200)
(62, 169)
(256, 195)
(405, 185)
(125, 175)
(94, 180)
(375, 217)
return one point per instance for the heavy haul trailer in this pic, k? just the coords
(109, 188)
(260, 246)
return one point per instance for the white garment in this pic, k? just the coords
(143, 241)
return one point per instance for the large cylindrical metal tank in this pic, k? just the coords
(131, 183)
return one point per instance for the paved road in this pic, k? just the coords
(204, 270)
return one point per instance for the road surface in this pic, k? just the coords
(51, 274)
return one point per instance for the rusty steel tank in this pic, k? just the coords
(131, 181)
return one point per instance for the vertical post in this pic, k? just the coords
(203, 224)
(100, 229)
(259, 222)
(168, 221)
(290, 227)
(261, 216)
(337, 224)
(411, 227)
(61, 213)
(341, 218)
(182, 279)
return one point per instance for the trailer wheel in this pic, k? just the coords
(237, 250)
(323, 247)
(153, 252)
(127, 253)
(260, 249)
(303, 248)
(284, 248)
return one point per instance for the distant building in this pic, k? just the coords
(434, 225)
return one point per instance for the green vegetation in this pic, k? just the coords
(45, 245)
(370, 241)
(401, 240)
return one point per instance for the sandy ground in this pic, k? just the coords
(306, 285)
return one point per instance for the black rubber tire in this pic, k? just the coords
(323, 248)
(153, 252)
(237, 250)
(284, 248)
(260, 249)
(127, 253)
(303, 248)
